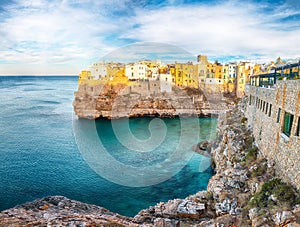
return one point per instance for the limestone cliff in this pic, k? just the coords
(145, 99)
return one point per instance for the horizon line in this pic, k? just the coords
(39, 75)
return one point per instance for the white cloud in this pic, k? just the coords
(231, 28)
(46, 36)
(38, 31)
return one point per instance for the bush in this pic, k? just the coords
(261, 169)
(250, 156)
(284, 194)
(244, 120)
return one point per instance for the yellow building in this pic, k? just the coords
(229, 82)
(218, 70)
(245, 70)
(186, 74)
(84, 76)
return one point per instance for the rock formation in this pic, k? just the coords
(60, 211)
(116, 101)
(243, 192)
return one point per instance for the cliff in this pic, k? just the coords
(243, 192)
(148, 98)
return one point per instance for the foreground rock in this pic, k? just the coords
(60, 211)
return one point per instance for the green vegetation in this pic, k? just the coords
(209, 195)
(213, 164)
(261, 170)
(127, 95)
(244, 120)
(249, 141)
(251, 155)
(275, 193)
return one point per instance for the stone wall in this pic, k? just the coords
(266, 113)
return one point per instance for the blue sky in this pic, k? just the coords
(65, 36)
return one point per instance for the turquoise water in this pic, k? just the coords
(39, 155)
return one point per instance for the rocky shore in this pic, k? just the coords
(243, 192)
(117, 101)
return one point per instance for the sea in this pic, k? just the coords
(43, 153)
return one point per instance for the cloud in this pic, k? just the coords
(230, 28)
(41, 32)
(43, 36)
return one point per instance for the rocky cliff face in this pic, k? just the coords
(243, 192)
(116, 101)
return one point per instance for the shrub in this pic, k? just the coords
(250, 156)
(284, 194)
(244, 120)
(261, 169)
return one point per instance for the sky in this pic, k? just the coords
(63, 37)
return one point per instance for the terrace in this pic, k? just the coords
(283, 72)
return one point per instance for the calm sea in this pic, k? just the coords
(39, 155)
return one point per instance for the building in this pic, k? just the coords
(98, 70)
(136, 71)
(143, 70)
(202, 69)
(274, 115)
(244, 71)
(186, 74)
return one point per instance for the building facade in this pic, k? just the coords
(274, 115)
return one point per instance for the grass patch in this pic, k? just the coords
(285, 195)
(251, 155)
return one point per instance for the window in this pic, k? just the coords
(278, 115)
(264, 104)
(270, 110)
(288, 123)
(298, 128)
(267, 106)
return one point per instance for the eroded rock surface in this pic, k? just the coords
(117, 101)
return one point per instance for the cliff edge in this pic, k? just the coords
(145, 98)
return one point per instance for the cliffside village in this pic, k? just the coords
(211, 77)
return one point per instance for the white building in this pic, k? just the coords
(136, 71)
(98, 70)
(232, 70)
(165, 82)
(213, 81)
